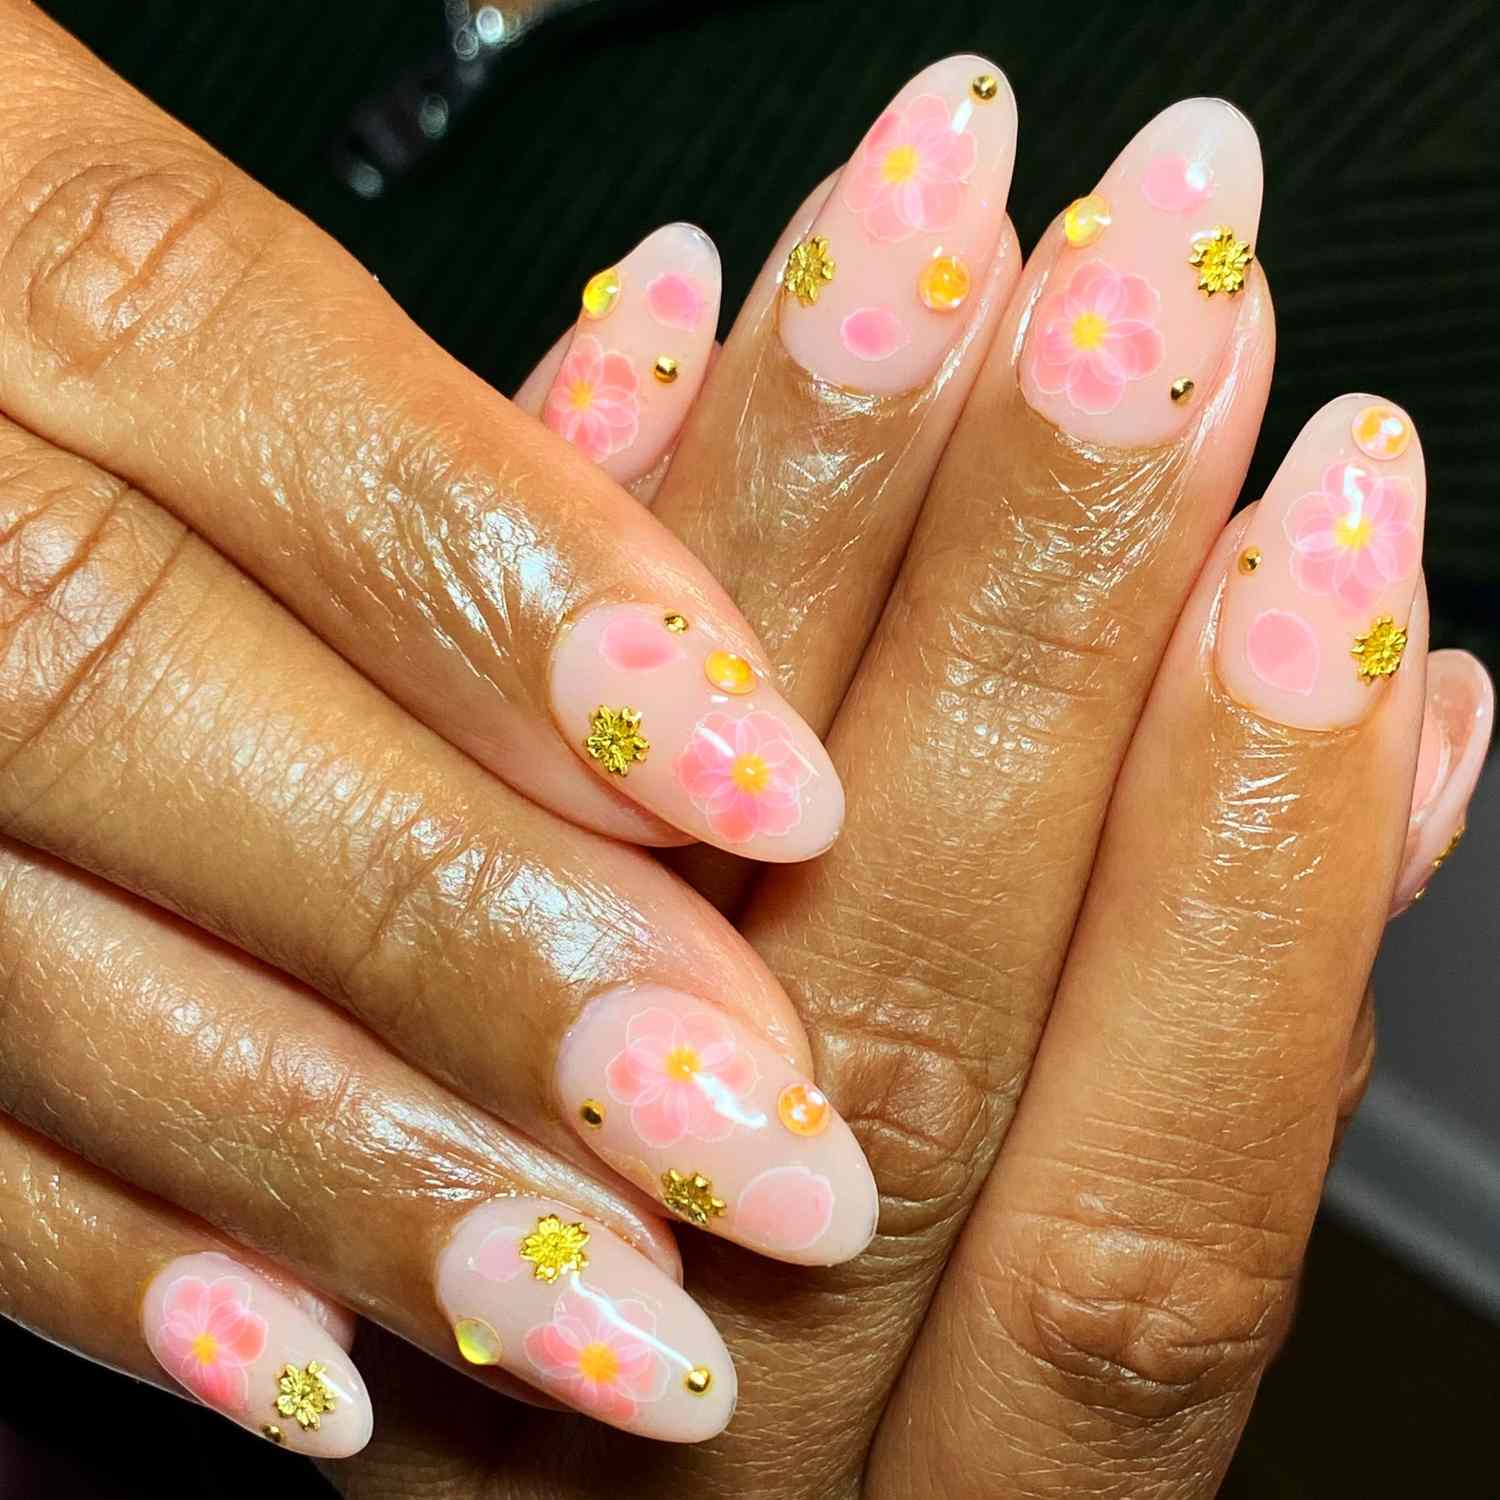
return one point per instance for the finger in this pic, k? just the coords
(171, 728)
(140, 1286)
(1456, 730)
(187, 1069)
(656, 311)
(456, 553)
(1129, 1269)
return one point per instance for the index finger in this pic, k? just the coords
(166, 317)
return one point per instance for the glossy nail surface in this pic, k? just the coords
(662, 707)
(1133, 324)
(699, 1111)
(1456, 729)
(532, 1287)
(886, 279)
(248, 1351)
(1315, 612)
(639, 352)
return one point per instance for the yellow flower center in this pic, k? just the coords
(206, 1349)
(900, 165)
(598, 1363)
(1353, 530)
(682, 1063)
(1089, 330)
(750, 774)
(581, 394)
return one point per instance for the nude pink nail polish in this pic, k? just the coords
(661, 706)
(248, 1351)
(1456, 729)
(1315, 610)
(639, 352)
(1134, 322)
(696, 1109)
(536, 1289)
(887, 278)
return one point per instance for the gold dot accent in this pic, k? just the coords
(477, 1341)
(690, 1195)
(600, 293)
(1181, 391)
(698, 1380)
(1220, 259)
(665, 369)
(943, 283)
(803, 1109)
(809, 268)
(1419, 895)
(276, 1435)
(1250, 559)
(676, 623)
(1377, 653)
(615, 739)
(1086, 218)
(555, 1249)
(985, 87)
(730, 673)
(591, 1112)
(1453, 844)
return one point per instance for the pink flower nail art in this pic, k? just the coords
(788, 1208)
(1283, 651)
(208, 1337)
(744, 775)
(600, 1354)
(682, 1075)
(675, 301)
(1174, 184)
(910, 172)
(1097, 336)
(593, 403)
(873, 333)
(498, 1259)
(1354, 536)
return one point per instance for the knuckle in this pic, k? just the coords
(1149, 1325)
(94, 254)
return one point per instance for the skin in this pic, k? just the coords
(1099, 1136)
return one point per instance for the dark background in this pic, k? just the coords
(1381, 238)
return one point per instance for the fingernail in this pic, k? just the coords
(535, 1288)
(1135, 321)
(693, 1107)
(660, 706)
(248, 1351)
(1456, 727)
(1315, 612)
(639, 352)
(886, 279)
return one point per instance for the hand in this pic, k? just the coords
(1088, 968)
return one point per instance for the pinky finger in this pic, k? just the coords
(135, 1284)
(618, 386)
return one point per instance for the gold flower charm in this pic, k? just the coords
(690, 1195)
(554, 1248)
(808, 269)
(304, 1395)
(1378, 651)
(615, 739)
(1221, 260)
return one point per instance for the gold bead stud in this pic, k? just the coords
(698, 1380)
(665, 369)
(1249, 559)
(276, 1435)
(591, 1112)
(1182, 390)
(675, 623)
(985, 87)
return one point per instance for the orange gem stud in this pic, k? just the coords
(803, 1109)
(943, 283)
(730, 673)
(1381, 432)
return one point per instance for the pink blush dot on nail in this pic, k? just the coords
(1173, 184)
(675, 301)
(1283, 651)
(636, 645)
(873, 333)
(788, 1208)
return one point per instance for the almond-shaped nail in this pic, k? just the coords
(1134, 323)
(1456, 729)
(244, 1348)
(1316, 606)
(531, 1286)
(886, 279)
(639, 352)
(693, 1107)
(661, 706)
